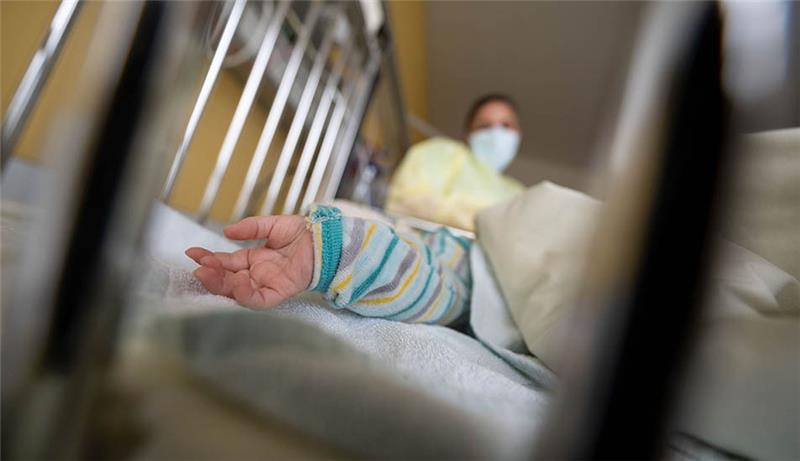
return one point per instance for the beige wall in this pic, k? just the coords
(408, 21)
(563, 62)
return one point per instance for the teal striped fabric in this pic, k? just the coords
(370, 269)
(330, 226)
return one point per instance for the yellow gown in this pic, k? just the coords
(440, 180)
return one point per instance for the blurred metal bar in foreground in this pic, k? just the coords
(245, 198)
(81, 252)
(217, 61)
(30, 87)
(639, 311)
(242, 109)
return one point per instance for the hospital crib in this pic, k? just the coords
(316, 67)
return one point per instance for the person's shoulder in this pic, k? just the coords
(440, 148)
(492, 179)
(512, 184)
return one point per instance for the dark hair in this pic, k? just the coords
(486, 99)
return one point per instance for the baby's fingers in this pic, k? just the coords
(197, 253)
(213, 280)
(237, 261)
(220, 281)
(212, 262)
(236, 285)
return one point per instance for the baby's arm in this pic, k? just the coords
(370, 269)
(359, 265)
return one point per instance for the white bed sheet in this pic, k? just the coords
(374, 387)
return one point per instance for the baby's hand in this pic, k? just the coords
(264, 276)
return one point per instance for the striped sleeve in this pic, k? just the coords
(370, 269)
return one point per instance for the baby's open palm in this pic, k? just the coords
(263, 276)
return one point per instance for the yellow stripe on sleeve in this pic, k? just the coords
(370, 231)
(343, 284)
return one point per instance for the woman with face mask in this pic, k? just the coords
(493, 132)
(448, 181)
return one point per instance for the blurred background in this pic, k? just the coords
(564, 80)
(567, 81)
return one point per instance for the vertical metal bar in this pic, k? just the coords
(24, 328)
(346, 145)
(298, 123)
(315, 131)
(30, 87)
(234, 18)
(331, 135)
(242, 109)
(275, 113)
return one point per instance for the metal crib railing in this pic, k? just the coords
(322, 92)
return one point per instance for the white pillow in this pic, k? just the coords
(743, 388)
(489, 316)
(744, 283)
(536, 244)
(765, 215)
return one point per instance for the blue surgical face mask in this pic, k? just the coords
(495, 147)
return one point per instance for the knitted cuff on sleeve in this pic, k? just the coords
(325, 223)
